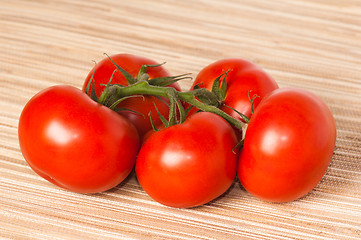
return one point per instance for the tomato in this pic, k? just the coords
(244, 81)
(288, 145)
(140, 106)
(76, 143)
(188, 164)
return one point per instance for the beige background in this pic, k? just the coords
(315, 45)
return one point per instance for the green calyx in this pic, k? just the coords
(217, 95)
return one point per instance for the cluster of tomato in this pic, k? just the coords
(83, 146)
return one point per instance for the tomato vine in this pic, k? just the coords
(200, 98)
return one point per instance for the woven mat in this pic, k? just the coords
(315, 45)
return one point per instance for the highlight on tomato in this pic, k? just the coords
(75, 142)
(288, 145)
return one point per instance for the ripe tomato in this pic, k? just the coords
(76, 143)
(244, 80)
(132, 64)
(189, 164)
(288, 145)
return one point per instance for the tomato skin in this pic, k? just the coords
(76, 143)
(244, 79)
(143, 105)
(190, 164)
(288, 145)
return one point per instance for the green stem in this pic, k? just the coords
(189, 98)
(143, 87)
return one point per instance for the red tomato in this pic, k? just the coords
(189, 164)
(76, 143)
(244, 80)
(132, 64)
(288, 145)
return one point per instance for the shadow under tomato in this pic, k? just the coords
(118, 187)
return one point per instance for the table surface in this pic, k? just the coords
(314, 45)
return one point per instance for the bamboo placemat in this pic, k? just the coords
(315, 45)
